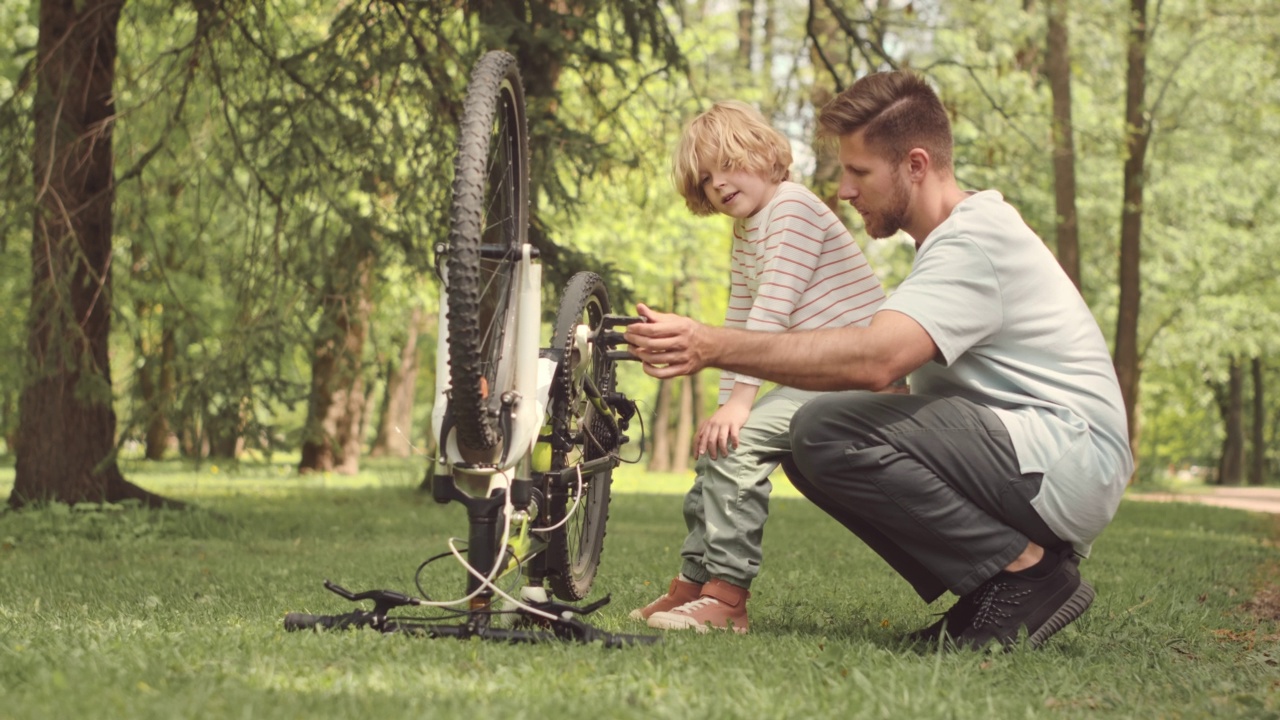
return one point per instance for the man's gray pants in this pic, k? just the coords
(930, 483)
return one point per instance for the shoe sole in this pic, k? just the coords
(668, 621)
(1072, 609)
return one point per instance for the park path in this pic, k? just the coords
(1257, 499)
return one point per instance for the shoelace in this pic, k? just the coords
(995, 597)
(695, 605)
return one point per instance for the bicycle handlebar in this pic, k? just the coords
(566, 628)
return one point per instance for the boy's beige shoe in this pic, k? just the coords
(721, 605)
(679, 593)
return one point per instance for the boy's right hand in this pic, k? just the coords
(720, 431)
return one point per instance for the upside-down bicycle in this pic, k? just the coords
(527, 438)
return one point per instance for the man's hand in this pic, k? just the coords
(669, 345)
(719, 433)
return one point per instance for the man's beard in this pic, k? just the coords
(887, 222)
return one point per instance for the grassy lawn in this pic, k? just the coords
(122, 613)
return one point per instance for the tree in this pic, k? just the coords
(1231, 406)
(66, 435)
(1137, 135)
(1058, 67)
(1258, 423)
(395, 418)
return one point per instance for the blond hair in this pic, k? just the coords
(731, 135)
(898, 111)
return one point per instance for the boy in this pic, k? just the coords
(794, 266)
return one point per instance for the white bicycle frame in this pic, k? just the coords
(533, 376)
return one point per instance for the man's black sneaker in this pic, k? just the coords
(1009, 602)
(953, 622)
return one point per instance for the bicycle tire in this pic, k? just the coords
(573, 550)
(488, 225)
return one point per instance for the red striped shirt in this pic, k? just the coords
(795, 267)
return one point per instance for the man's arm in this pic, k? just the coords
(846, 358)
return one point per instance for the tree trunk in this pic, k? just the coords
(768, 46)
(683, 446)
(1231, 406)
(826, 171)
(1258, 462)
(332, 437)
(746, 25)
(660, 456)
(1064, 154)
(395, 426)
(156, 387)
(9, 419)
(224, 429)
(1137, 132)
(66, 433)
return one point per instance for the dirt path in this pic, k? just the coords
(1257, 499)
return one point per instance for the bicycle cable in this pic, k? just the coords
(488, 582)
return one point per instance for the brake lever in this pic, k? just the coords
(383, 600)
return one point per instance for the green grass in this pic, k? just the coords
(125, 613)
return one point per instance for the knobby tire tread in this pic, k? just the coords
(495, 74)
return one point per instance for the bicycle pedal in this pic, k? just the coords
(620, 355)
(612, 321)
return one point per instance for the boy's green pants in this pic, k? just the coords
(726, 508)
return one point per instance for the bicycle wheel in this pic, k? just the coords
(573, 549)
(488, 225)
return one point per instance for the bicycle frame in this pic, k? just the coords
(532, 387)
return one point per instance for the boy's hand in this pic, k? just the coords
(720, 431)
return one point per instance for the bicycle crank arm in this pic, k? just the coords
(611, 339)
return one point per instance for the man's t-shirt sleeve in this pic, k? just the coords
(953, 292)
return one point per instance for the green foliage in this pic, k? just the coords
(124, 613)
(18, 30)
(264, 148)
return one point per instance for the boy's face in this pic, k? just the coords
(736, 193)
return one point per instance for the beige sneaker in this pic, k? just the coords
(721, 605)
(680, 592)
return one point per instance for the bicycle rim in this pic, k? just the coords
(573, 552)
(488, 227)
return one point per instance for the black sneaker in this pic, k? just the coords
(1009, 602)
(953, 622)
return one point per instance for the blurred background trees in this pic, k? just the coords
(274, 176)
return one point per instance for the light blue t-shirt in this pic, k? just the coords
(1014, 335)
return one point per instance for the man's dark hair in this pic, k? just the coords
(898, 111)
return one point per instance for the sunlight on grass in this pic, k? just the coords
(182, 479)
(635, 479)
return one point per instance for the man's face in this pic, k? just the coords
(736, 193)
(877, 189)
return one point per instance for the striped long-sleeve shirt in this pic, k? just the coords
(795, 266)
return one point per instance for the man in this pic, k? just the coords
(1010, 455)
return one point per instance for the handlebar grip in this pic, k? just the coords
(303, 621)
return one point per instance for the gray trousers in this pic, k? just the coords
(930, 483)
(726, 508)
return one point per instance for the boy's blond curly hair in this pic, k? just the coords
(732, 135)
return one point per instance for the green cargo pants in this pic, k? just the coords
(726, 508)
